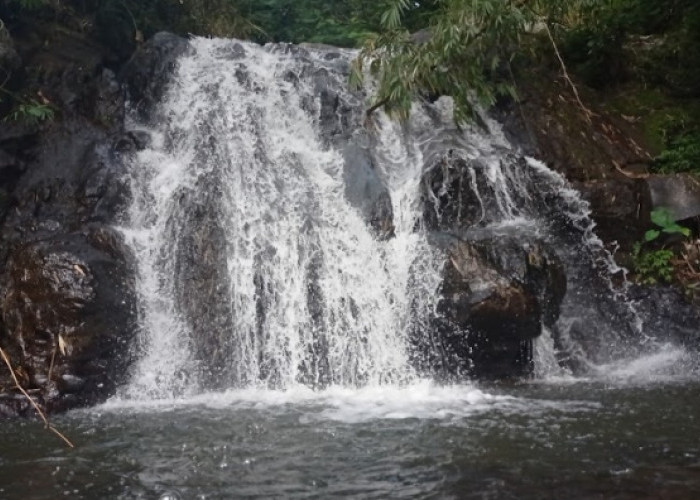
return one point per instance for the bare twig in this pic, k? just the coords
(376, 106)
(587, 112)
(53, 359)
(693, 271)
(47, 425)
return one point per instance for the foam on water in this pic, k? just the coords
(667, 363)
(422, 399)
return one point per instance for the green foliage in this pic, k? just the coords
(656, 266)
(199, 17)
(594, 50)
(215, 17)
(681, 155)
(31, 111)
(673, 60)
(647, 17)
(652, 266)
(467, 45)
(664, 220)
(680, 134)
(337, 22)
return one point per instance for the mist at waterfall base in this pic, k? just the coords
(277, 309)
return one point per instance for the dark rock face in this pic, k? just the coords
(496, 295)
(65, 307)
(500, 286)
(449, 203)
(365, 190)
(67, 298)
(511, 286)
(604, 157)
(620, 207)
(680, 193)
(146, 74)
(9, 59)
(664, 310)
(548, 123)
(202, 289)
(598, 155)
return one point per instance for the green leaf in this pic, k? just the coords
(662, 217)
(651, 235)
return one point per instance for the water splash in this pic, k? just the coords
(303, 290)
(282, 242)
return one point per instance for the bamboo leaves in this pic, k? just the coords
(468, 43)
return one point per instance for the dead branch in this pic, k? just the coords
(587, 112)
(53, 359)
(41, 414)
(630, 175)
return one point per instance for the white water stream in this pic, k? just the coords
(289, 233)
(258, 268)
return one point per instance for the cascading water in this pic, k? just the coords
(255, 269)
(282, 240)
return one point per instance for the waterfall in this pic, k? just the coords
(255, 268)
(282, 237)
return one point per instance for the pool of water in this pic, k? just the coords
(632, 432)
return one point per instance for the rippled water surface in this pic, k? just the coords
(613, 437)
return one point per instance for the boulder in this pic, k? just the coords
(680, 193)
(449, 196)
(461, 193)
(146, 73)
(202, 287)
(497, 293)
(667, 314)
(619, 207)
(68, 310)
(365, 190)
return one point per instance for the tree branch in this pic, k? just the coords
(587, 112)
(47, 425)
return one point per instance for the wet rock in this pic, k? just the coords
(132, 141)
(365, 190)
(68, 312)
(619, 207)
(202, 287)
(600, 154)
(109, 99)
(680, 193)
(10, 60)
(497, 293)
(459, 193)
(335, 114)
(668, 314)
(235, 51)
(450, 198)
(146, 74)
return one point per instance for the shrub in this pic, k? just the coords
(652, 266)
(682, 154)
